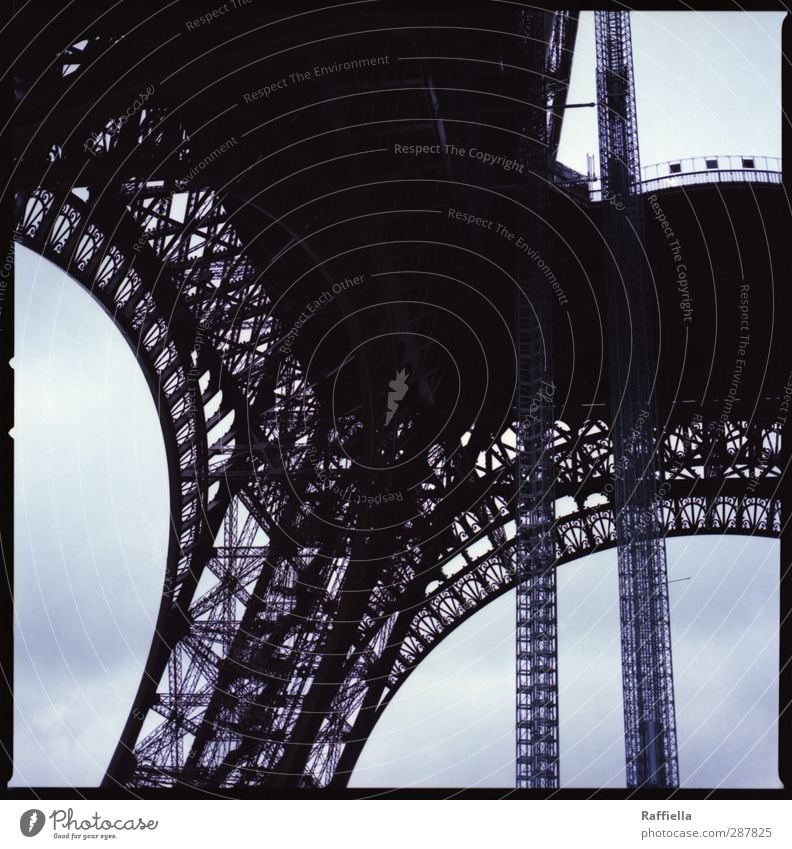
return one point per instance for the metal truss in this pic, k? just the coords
(210, 659)
(275, 652)
(647, 673)
(536, 759)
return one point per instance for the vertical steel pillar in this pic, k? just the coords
(537, 679)
(647, 675)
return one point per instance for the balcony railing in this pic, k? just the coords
(697, 170)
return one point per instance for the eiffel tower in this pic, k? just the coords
(382, 326)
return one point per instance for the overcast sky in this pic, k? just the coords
(91, 514)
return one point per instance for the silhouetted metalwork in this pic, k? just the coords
(325, 535)
(647, 674)
(537, 763)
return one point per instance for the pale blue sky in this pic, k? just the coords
(91, 514)
(706, 83)
(452, 723)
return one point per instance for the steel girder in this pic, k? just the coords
(252, 586)
(647, 671)
(402, 622)
(536, 719)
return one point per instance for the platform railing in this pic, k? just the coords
(696, 170)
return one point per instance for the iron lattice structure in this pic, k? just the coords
(537, 760)
(316, 554)
(647, 673)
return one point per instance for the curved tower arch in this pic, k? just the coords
(292, 610)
